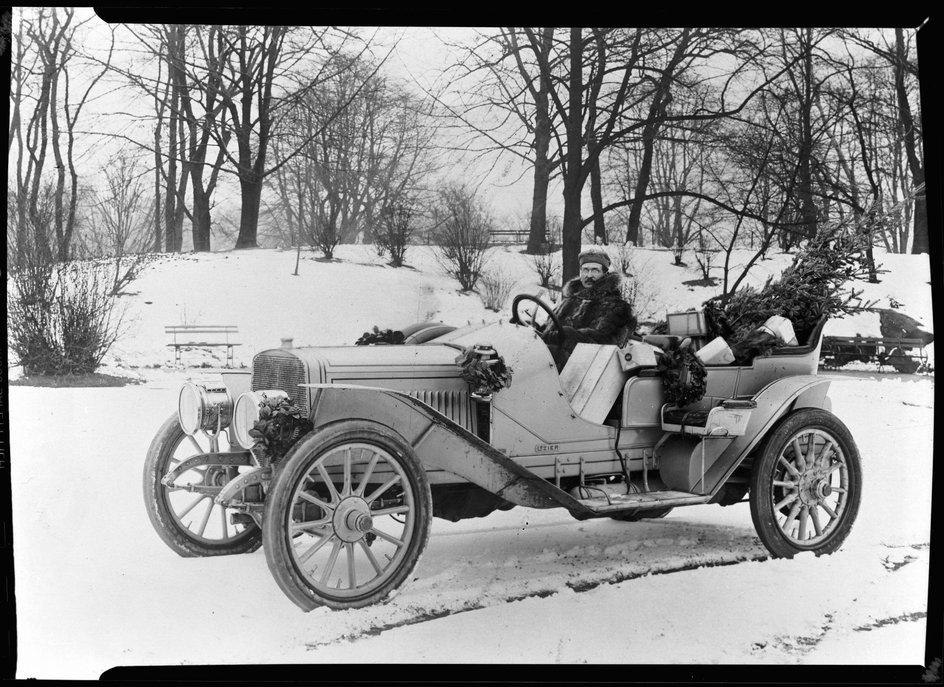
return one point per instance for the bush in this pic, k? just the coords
(546, 266)
(324, 236)
(495, 290)
(621, 257)
(463, 231)
(61, 318)
(638, 286)
(396, 228)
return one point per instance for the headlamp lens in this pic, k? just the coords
(199, 407)
(245, 416)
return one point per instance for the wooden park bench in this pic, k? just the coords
(905, 355)
(502, 236)
(202, 336)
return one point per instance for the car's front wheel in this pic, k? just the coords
(806, 485)
(347, 517)
(184, 514)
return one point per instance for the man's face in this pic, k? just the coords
(590, 273)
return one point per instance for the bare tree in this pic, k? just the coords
(612, 75)
(397, 226)
(353, 146)
(121, 209)
(45, 114)
(501, 96)
(463, 232)
(900, 55)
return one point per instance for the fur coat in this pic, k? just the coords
(594, 314)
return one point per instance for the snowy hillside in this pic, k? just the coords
(96, 588)
(332, 303)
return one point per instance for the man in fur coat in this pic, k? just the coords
(592, 309)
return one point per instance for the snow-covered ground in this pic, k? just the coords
(96, 587)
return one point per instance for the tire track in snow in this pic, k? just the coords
(421, 615)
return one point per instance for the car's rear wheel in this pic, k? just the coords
(902, 362)
(185, 515)
(806, 485)
(347, 517)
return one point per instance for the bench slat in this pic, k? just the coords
(203, 343)
(204, 329)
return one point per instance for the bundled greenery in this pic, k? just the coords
(279, 426)
(683, 376)
(378, 336)
(812, 287)
(485, 376)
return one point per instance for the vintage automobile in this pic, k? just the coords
(400, 436)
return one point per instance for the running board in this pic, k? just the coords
(612, 503)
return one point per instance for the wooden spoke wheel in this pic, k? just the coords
(806, 485)
(185, 514)
(347, 516)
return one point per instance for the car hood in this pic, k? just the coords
(370, 364)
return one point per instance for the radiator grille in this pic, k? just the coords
(453, 404)
(281, 370)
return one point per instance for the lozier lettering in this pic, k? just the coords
(546, 448)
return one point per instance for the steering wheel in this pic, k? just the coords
(516, 318)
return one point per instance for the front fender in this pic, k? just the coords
(439, 443)
(774, 401)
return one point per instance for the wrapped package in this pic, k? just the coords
(715, 352)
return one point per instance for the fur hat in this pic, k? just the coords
(594, 255)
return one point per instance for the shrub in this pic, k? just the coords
(547, 267)
(324, 236)
(704, 257)
(495, 289)
(62, 318)
(638, 286)
(463, 232)
(396, 228)
(621, 258)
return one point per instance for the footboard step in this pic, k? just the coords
(652, 499)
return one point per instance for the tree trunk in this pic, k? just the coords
(537, 235)
(921, 240)
(596, 197)
(538, 239)
(201, 219)
(251, 188)
(642, 183)
(657, 108)
(677, 227)
(573, 180)
(158, 244)
(808, 214)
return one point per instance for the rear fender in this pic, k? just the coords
(439, 443)
(776, 400)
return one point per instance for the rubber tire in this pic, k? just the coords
(651, 514)
(159, 512)
(277, 545)
(902, 362)
(762, 514)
